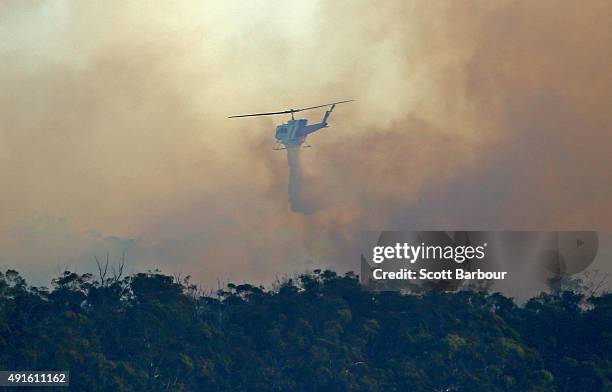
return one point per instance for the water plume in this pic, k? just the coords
(296, 197)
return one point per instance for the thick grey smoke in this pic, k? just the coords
(469, 115)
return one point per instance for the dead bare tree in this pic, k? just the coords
(102, 269)
(116, 270)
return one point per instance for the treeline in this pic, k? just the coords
(318, 332)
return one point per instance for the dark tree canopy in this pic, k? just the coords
(318, 332)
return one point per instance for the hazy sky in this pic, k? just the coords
(469, 115)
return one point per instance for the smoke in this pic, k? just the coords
(113, 118)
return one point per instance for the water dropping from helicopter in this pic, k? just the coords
(296, 198)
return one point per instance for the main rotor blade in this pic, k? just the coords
(264, 114)
(322, 106)
(290, 110)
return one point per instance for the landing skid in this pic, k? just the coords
(280, 146)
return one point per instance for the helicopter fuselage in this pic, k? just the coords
(294, 132)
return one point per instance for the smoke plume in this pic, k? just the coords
(469, 115)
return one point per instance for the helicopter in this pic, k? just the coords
(293, 133)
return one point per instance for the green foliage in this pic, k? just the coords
(320, 332)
